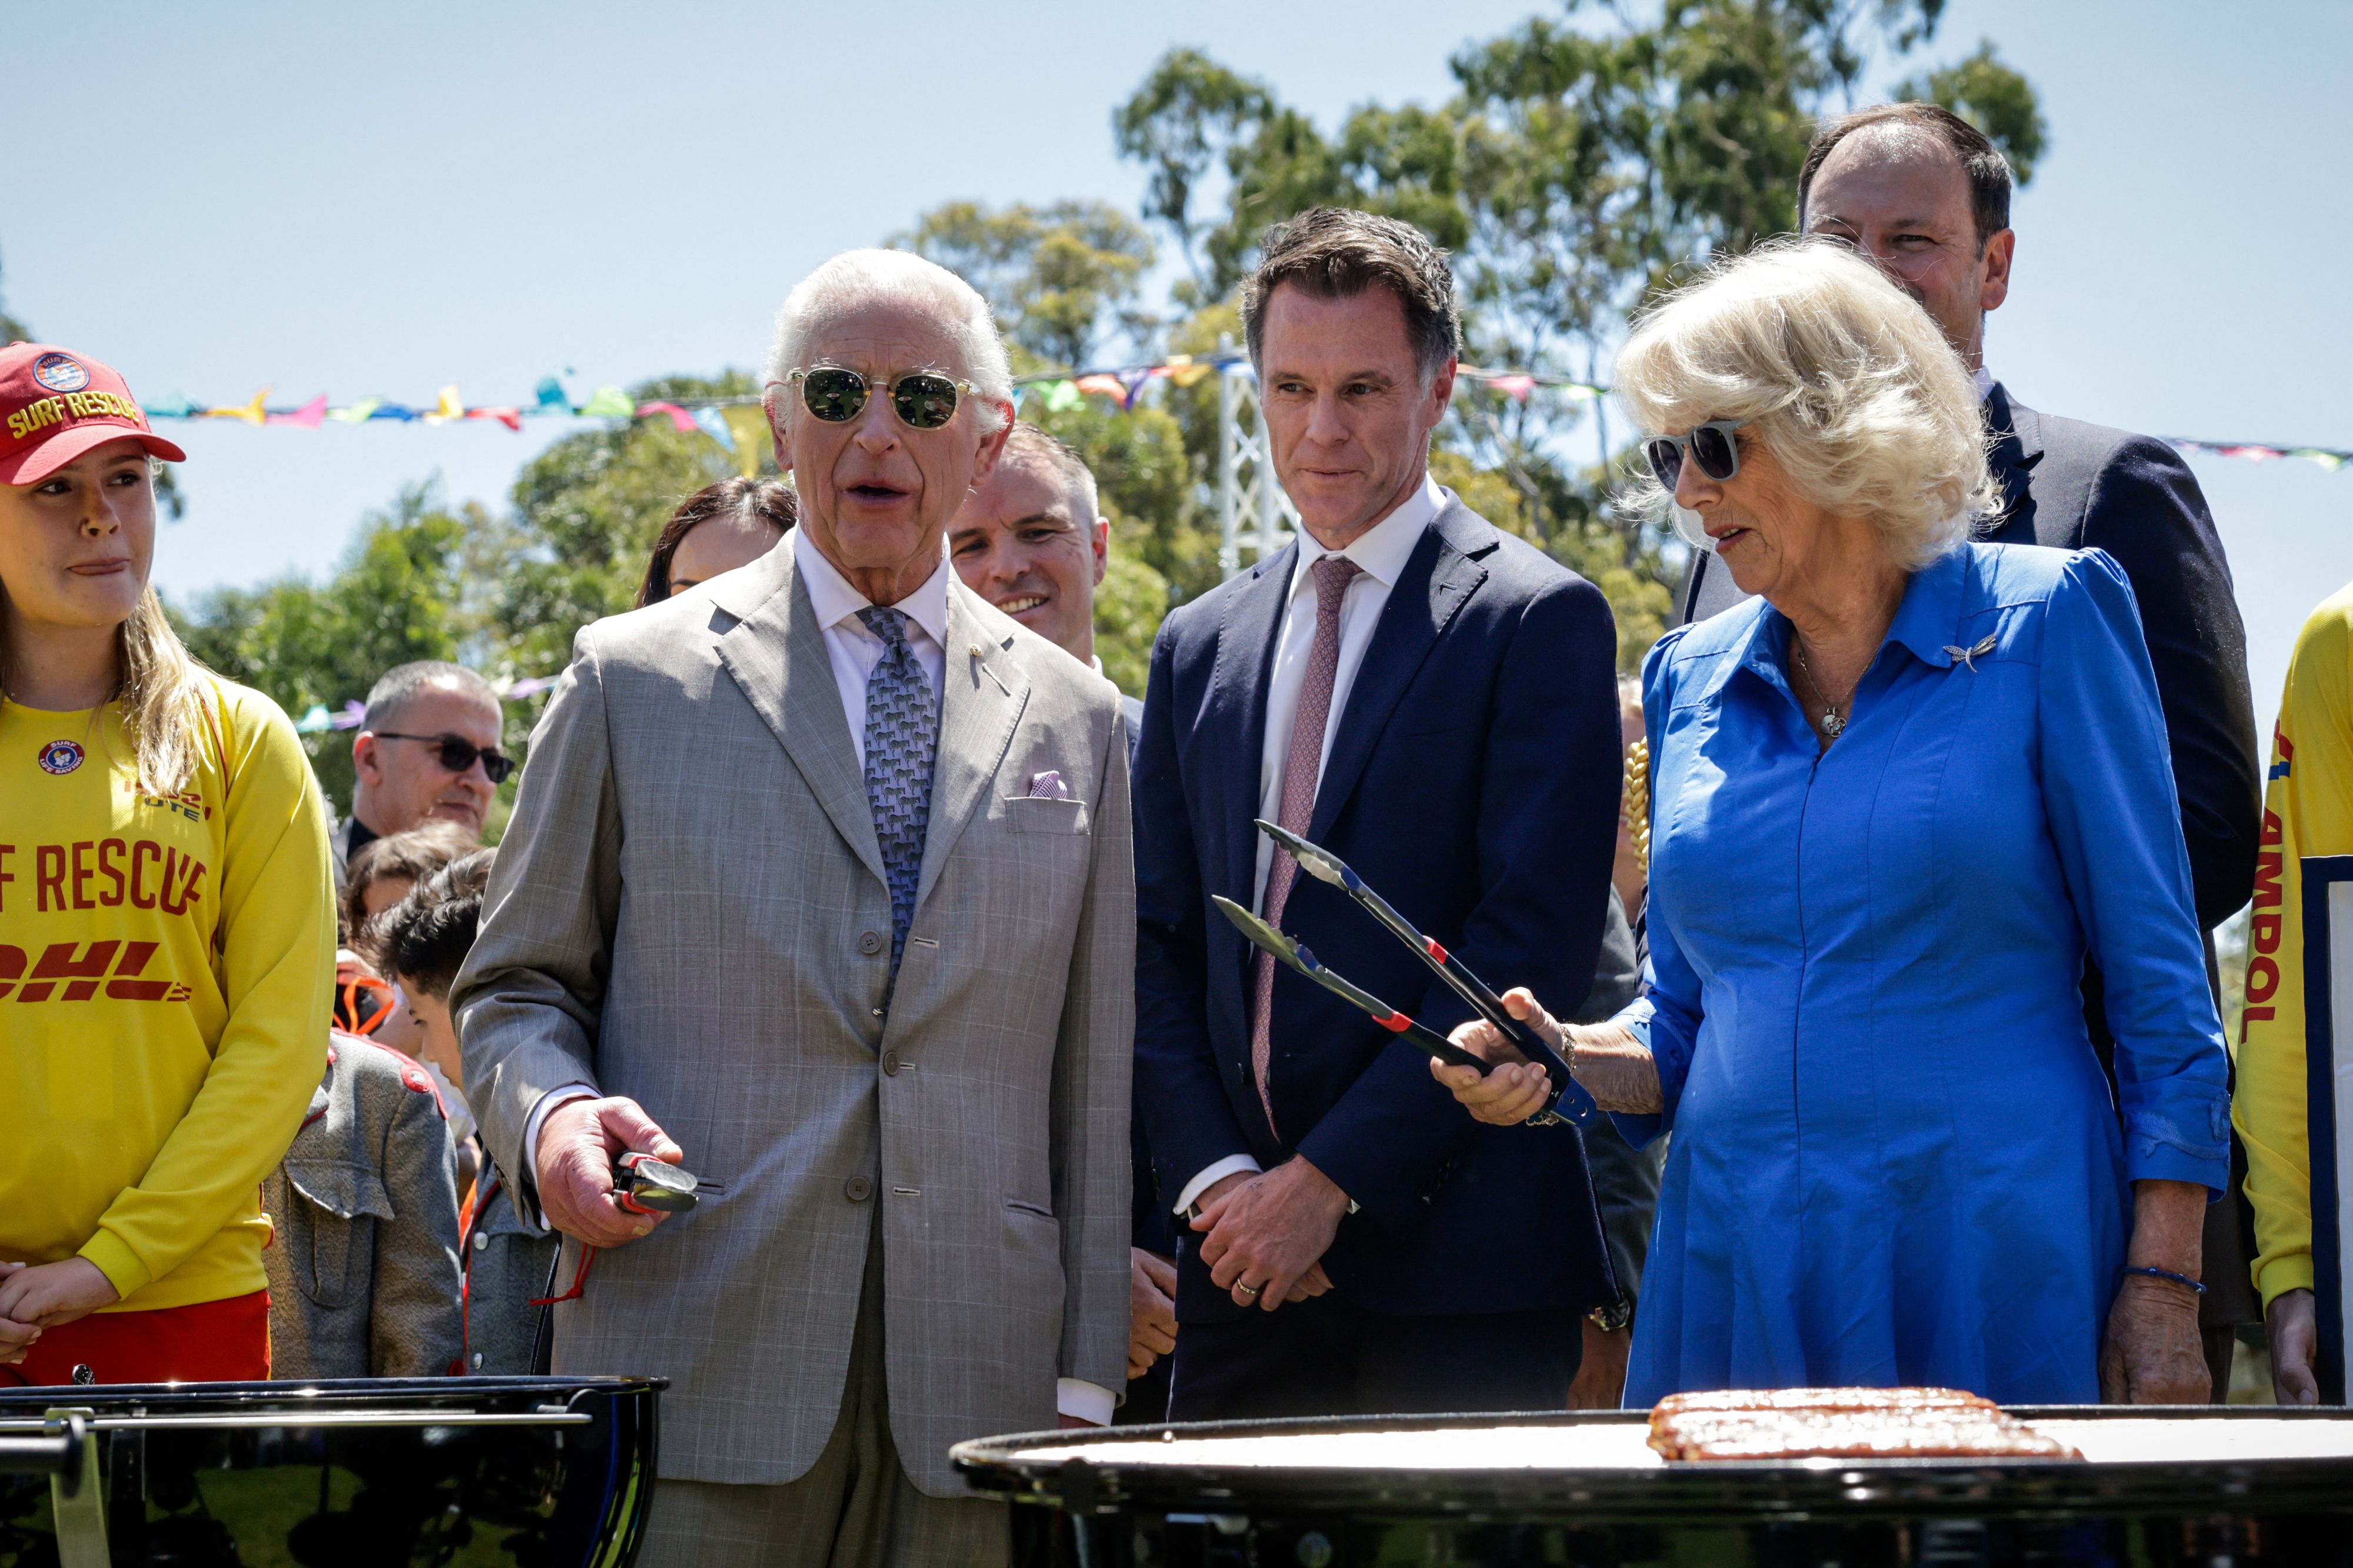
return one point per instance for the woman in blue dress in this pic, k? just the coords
(1896, 801)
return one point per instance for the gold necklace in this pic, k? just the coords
(1832, 726)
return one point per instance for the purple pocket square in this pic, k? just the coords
(1048, 786)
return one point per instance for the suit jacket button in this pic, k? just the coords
(869, 943)
(857, 1189)
(890, 1064)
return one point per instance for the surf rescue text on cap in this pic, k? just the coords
(55, 405)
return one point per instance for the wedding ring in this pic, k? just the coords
(1249, 1291)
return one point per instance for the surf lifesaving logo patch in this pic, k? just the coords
(60, 373)
(61, 757)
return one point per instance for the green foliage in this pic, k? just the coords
(501, 593)
(1187, 111)
(1579, 168)
(396, 596)
(1056, 276)
(584, 518)
(1130, 604)
(1586, 159)
(1993, 98)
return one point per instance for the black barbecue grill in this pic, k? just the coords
(2214, 1487)
(518, 1472)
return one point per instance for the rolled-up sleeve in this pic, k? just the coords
(2107, 787)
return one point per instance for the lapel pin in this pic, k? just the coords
(990, 673)
(1967, 656)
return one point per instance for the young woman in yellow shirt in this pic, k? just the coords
(166, 925)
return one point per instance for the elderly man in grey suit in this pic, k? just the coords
(820, 884)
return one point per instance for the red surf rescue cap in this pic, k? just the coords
(55, 406)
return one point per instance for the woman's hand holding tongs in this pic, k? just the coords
(1607, 1058)
(1516, 1088)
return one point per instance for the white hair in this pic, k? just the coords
(1842, 376)
(856, 280)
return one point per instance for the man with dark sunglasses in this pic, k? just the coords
(820, 884)
(427, 752)
(1925, 196)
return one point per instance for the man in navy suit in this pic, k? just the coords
(1434, 702)
(1924, 193)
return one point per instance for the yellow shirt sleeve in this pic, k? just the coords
(2307, 811)
(276, 957)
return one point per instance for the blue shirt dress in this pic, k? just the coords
(1896, 1159)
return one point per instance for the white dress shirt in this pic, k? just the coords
(853, 651)
(1984, 380)
(1381, 552)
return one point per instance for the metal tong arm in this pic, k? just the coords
(1293, 956)
(1326, 866)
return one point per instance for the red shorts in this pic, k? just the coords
(210, 1342)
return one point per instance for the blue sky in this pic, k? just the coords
(380, 200)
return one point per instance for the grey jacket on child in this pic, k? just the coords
(509, 1265)
(363, 1278)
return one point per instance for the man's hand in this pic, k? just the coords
(2294, 1333)
(1150, 1308)
(1266, 1233)
(47, 1294)
(578, 1144)
(1601, 1382)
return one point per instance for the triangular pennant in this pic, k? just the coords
(749, 421)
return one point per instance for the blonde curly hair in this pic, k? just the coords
(1841, 376)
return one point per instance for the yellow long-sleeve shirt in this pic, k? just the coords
(166, 969)
(2307, 810)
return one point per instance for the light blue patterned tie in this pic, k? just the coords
(903, 737)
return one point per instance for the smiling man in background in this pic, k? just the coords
(1033, 542)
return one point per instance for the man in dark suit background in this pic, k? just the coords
(1434, 702)
(1923, 193)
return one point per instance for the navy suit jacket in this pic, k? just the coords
(1473, 780)
(2083, 486)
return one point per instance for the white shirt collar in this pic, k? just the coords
(836, 601)
(1984, 379)
(1381, 551)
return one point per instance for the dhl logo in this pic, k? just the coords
(80, 970)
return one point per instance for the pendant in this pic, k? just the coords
(1832, 725)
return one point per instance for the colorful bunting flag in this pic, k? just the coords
(308, 415)
(740, 425)
(680, 419)
(712, 423)
(252, 413)
(749, 421)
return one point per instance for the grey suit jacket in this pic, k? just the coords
(688, 908)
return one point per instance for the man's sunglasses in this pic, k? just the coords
(1711, 445)
(457, 753)
(924, 399)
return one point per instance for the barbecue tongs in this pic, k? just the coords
(1568, 1098)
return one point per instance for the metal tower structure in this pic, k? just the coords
(1253, 511)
